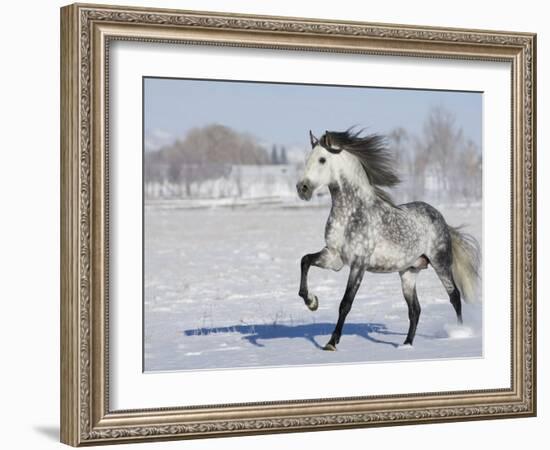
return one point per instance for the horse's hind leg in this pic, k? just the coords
(408, 284)
(445, 275)
(325, 259)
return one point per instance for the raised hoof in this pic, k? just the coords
(312, 302)
(330, 347)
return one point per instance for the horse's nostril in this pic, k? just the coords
(303, 188)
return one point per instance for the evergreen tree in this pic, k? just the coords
(283, 159)
(274, 155)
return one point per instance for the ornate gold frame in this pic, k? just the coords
(86, 31)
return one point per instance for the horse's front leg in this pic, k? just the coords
(325, 259)
(354, 281)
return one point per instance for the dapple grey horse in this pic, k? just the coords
(368, 232)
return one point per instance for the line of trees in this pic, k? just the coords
(440, 162)
(206, 153)
(437, 164)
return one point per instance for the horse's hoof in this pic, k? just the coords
(330, 347)
(312, 302)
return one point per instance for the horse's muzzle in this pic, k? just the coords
(305, 189)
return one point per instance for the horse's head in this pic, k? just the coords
(366, 161)
(319, 170)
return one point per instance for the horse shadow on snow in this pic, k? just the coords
(310, 332)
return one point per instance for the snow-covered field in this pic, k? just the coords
(221, 288)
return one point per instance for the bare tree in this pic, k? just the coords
(400, 144)
(443, 143)
(419, 168)
(469, 172)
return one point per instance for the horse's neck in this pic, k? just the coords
(350, 194)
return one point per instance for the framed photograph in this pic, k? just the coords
(276, 224)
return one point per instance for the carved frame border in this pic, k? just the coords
(86, 31)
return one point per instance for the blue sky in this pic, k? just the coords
(283, 113)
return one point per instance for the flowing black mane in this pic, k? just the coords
(372, 151)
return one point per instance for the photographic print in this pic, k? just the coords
(294, 224)
(254, 201)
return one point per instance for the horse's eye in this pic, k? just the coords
(322, 160)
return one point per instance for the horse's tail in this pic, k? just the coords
(466, 263)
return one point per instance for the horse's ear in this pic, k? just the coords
(314, 141)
